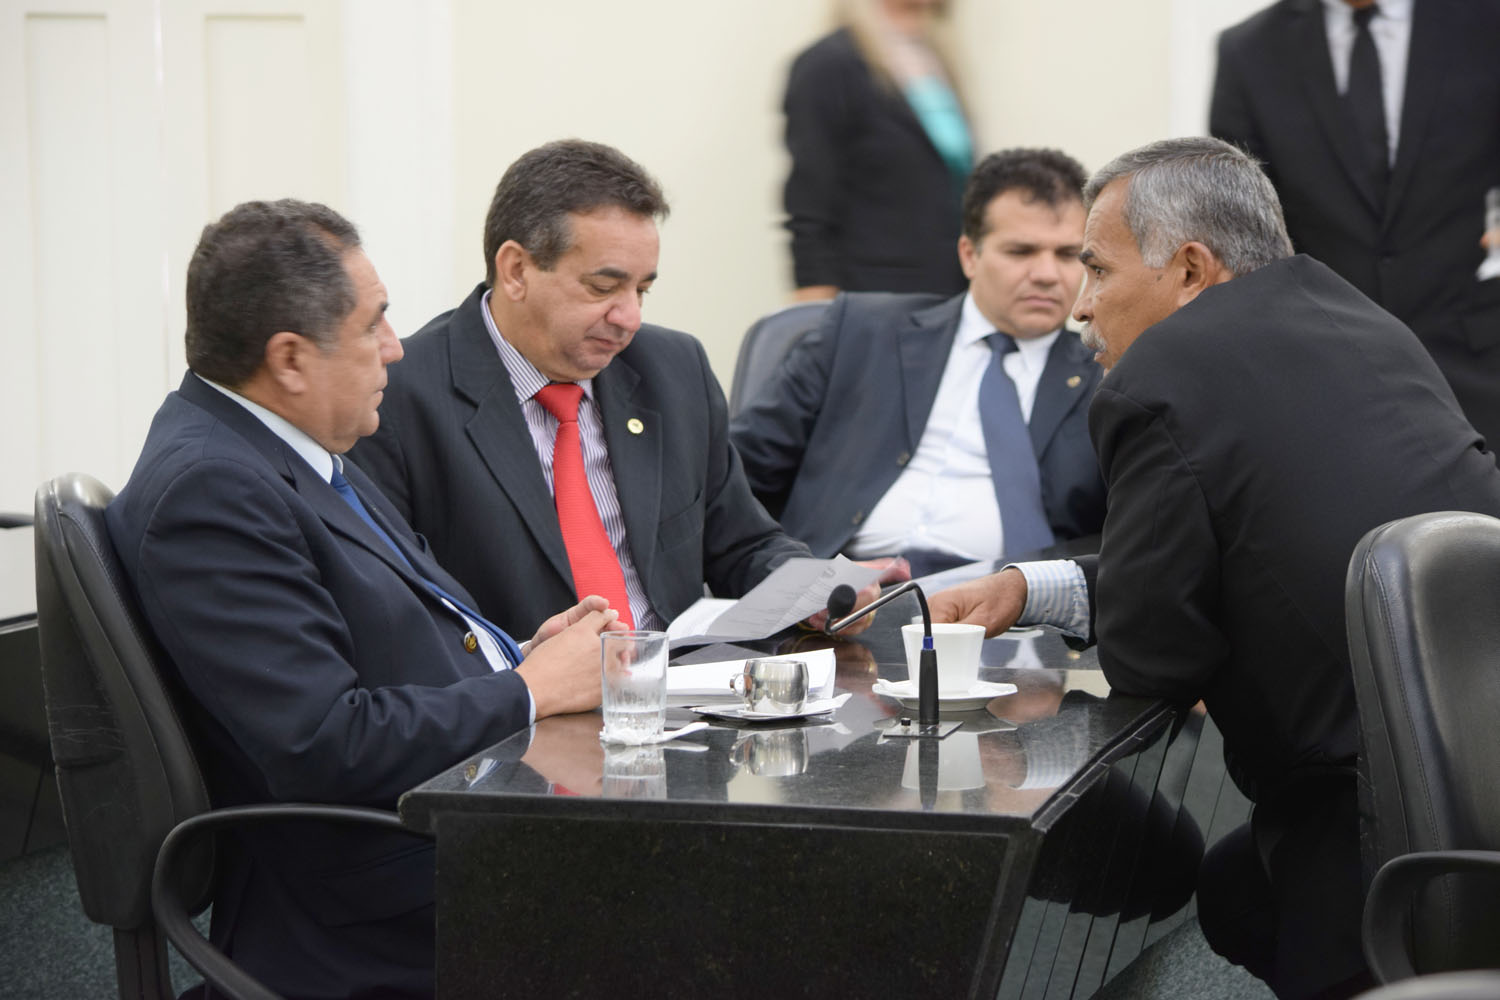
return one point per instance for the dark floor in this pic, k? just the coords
(48, 949)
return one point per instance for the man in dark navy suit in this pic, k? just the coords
(946, 430)
(323, 654)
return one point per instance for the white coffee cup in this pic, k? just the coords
(957, 647)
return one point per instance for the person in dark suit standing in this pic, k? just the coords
(1378, 125)
(546, 366)
(323, 655)
(1259, 415)
(946, 429)
(880, 146)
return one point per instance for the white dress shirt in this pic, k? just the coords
(527, 381)
(322, 463)
(1391, 30)
(944, 499)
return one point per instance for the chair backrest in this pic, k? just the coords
(1423, 614)
(126, 772)
(765, 344)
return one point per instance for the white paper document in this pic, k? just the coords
(794, 590)
(711, 680)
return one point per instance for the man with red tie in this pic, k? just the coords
(546, 441)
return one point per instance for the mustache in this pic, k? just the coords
(1091, 338)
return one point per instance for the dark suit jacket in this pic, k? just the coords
(317, 668)
(1274, 95)
(831, 431)
(455, 457)
(871, 204)
(1249, 441)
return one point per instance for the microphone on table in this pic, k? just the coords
(841, 602)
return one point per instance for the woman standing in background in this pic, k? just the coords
(880, 150)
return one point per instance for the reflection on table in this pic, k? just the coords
(1036, 849)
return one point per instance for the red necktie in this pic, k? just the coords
(596, 568)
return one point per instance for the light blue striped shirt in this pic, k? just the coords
(527, 381)
(1057, 594)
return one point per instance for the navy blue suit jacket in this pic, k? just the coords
(829, 433)
(455, 457)
(317, 667)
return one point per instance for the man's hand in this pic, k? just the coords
(995, 601)
(894, 570)
(552, 626)
(562, 670)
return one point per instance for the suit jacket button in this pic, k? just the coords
(903, 458)
(859, 516)
(471, 642)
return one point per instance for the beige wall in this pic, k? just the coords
(693, 92)
(128, 124)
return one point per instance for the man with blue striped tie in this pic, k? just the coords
(323, 652)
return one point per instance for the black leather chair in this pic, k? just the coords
(8, 520)
(765, 344)
(1423, 614)
(134, 803)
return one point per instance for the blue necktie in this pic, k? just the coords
(1018, 485)
(346, 492)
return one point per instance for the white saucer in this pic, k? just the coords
(737, 710)
(974, 698)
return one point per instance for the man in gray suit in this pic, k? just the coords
(946, 430)
(545, 440)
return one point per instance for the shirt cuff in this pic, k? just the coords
(1057, 594)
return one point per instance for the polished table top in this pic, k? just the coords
(1004, 764)
(1029, 853)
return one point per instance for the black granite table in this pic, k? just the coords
(1032, 853)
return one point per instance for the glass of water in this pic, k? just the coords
(635, 685)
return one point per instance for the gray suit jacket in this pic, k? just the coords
(455, 457)
(831, 431)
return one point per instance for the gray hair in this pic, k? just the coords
(1198, 190)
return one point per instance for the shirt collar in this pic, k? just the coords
(525, 378)
(1390, 10)
(295, 437)
(973, 327)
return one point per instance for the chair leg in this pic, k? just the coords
(141, 968)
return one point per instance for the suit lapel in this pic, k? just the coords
(338, 516)
(1310, 48)
(499, 433)
(1425, 69)
(634, 457)
(1063, 386)
(923, 347)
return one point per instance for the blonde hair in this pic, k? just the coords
(867, 25)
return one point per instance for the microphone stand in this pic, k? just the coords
(928, 723)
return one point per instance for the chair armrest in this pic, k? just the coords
(171, 912)
(1484, 985)
(1387, 905)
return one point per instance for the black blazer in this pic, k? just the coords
(1274, 95)
(1249, 441)
(455, 457)
(829, 433)
(317, 668)
(870, 203)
